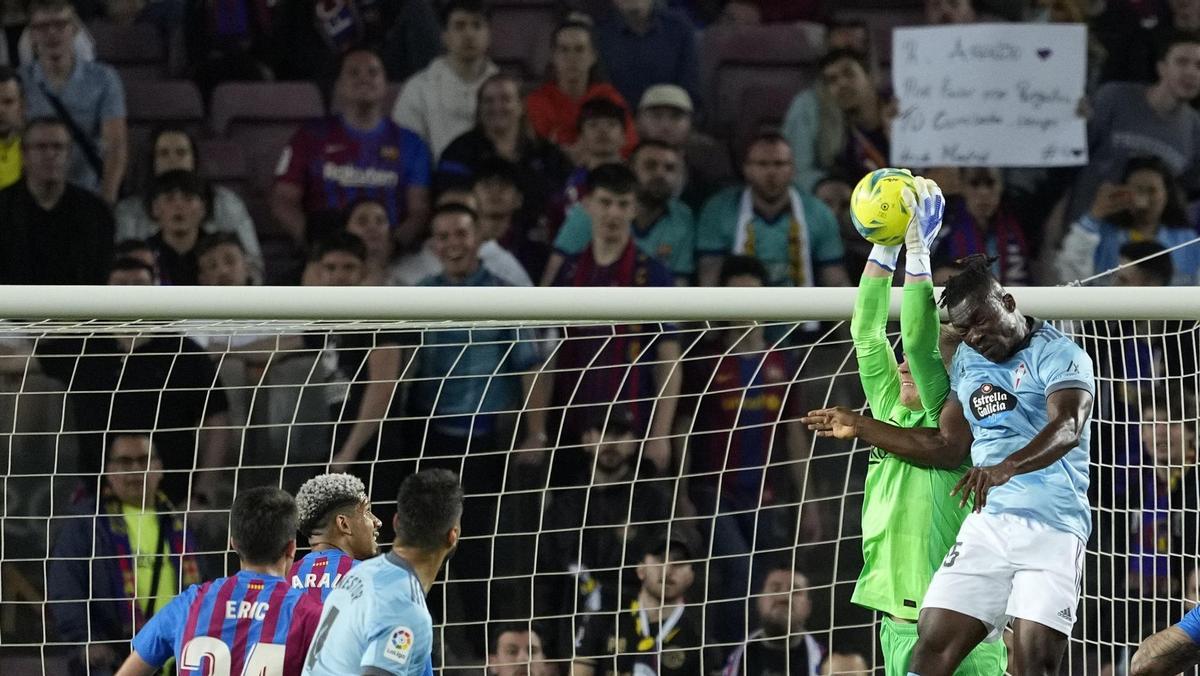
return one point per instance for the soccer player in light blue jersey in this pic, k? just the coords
(375, 622)
(1021, 395)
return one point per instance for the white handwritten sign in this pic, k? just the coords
(1001, 95)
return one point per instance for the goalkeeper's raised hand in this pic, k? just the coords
(928, 206)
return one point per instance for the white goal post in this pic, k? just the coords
(276, 397)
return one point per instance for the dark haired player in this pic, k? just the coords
(1022, 394)
(250, 623)
(335, 516)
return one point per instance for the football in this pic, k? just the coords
(877, 206)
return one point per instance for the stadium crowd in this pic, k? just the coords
(620, 165)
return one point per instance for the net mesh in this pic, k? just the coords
(582, 448)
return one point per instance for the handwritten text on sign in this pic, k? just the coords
(1001, 95)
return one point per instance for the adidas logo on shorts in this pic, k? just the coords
(1065, 613)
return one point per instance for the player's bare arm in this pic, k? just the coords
(945, 447)
(1068, 411)
(1169, 652)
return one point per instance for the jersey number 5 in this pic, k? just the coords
(265, 659)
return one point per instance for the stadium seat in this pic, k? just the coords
(736, 58)
(761, 108)
(151, 103)
(137, 51)
(880, 22)
(521, 36)
(224, 163)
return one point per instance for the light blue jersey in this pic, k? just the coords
(374, 622)
(1005, 404)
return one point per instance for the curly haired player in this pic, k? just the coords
(335, 515)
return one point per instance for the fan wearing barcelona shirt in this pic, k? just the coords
(357, 153)
(249, 623)
(335, 516)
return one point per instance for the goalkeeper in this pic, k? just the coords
(909, 519)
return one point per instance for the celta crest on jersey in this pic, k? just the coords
(990, 402)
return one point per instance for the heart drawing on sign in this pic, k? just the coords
(1044, 53)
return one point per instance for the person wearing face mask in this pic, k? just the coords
(1146, 206)
(981, 223)
(172, 148)
(502, 133)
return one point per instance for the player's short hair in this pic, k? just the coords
(341, 241)
(1173, 39)
(468, 6)
(599, 108)
(1161, 267)
(842, 54)
(428, 505)
(262, 524)
(975, 280)
(613, 177)
(497, 629)
(739, 266)
(323, 497)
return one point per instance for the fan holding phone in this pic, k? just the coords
(1146, 206)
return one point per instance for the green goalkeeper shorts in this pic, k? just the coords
(899, 638)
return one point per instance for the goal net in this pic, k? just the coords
(590, 451)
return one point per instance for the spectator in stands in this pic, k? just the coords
(230, 41)
(576, 75)
(744, 428)
(179, 202)
(1147, 205)
(139, 250)
(657, 631)
(439, 102)
(982, 222)
(54, 232)
(118, 558)
(839, 125)
(601, 137)
(1129, 120)
(367, 419)
(467, 383)
(368, 220)
(515, 649)
(663, 226)
(310, 38)
(1155, 268)
(356, 153)
(781, 639)
(939, 12)
(175, 148)
(592, 529)
(221, 261)
(86, 95)
(642, 44)
(597, 367)
(502, 133)
(411, 268)
(791, 232)
(851, 34)
(502, 220)
(12, 116)
(665, 114)
(834, 192)
(129, 271)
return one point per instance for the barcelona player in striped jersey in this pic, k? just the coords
(249, 623)
(335, 516)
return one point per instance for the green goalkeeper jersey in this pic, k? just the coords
(909, 518)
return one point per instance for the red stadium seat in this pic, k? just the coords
(734, 59)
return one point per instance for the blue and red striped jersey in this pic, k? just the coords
(247, 623)
(320, 571)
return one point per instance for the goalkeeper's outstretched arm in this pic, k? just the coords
(1169, 652)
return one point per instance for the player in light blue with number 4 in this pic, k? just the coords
(375, 621)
